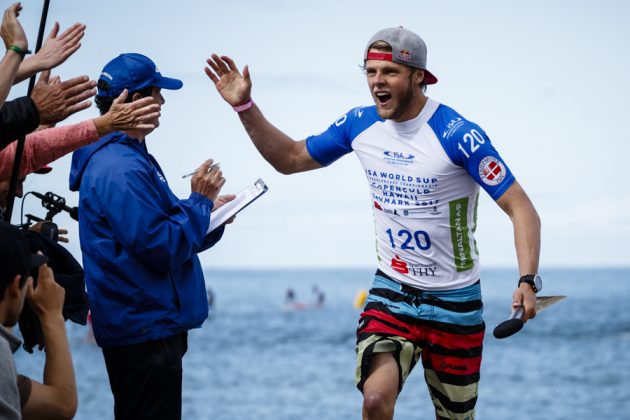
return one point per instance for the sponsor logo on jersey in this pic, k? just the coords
(398, 158)
(452, 126)
(458, 215)
(423, 270)
(491, 170)
(428, 207)
(404, 55)
(399, 265)
(415, 269)
(398, 155)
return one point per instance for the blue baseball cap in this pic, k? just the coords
(133, 72)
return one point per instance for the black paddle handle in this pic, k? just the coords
(510, 326)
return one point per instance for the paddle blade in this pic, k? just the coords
(515, 322)
(543, 302)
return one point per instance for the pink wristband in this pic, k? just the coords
(244, 107)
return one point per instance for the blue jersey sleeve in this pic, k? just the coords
(468, 146)
(336, 141)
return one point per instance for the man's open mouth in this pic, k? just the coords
(383, 97)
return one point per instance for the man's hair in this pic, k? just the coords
(381, 46)
(104, 103)
(15, 260)
(385, 47)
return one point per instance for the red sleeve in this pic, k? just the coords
(45, 146)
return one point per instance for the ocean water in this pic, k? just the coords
(254, 359)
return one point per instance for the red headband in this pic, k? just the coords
(379, 56)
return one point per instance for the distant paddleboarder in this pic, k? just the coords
(290, 302)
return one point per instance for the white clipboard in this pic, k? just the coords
(242, 200)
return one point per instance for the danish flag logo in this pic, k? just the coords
(491, 170)
(399, 265)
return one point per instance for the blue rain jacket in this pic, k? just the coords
(139, 244)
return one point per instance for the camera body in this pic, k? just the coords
(50, 229)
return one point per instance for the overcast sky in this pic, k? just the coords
(547, 80)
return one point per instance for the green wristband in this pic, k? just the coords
(18, 50)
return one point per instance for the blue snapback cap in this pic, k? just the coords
(133, 72)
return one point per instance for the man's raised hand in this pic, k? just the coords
(233, 87)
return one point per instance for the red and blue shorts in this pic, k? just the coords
(443, 328)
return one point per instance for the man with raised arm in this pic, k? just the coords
(424, 163)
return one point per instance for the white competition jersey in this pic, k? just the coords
(424, 176)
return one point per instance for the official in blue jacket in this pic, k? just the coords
(140, 243)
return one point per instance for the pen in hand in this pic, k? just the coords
(197, 170)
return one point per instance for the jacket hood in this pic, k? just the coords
(82, 156)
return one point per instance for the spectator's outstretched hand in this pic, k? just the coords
(11, 29)
(136, 115)
(12, 34)
(57, 49)
(53, 80)
(56, 102)
(233, 87)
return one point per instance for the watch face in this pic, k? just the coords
(538, 282)
(533, 280)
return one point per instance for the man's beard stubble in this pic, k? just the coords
(402, 105)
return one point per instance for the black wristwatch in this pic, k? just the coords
(533, 280)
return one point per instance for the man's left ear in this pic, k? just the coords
(419, 76)
(135, 97)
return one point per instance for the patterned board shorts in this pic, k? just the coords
(444, 328)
